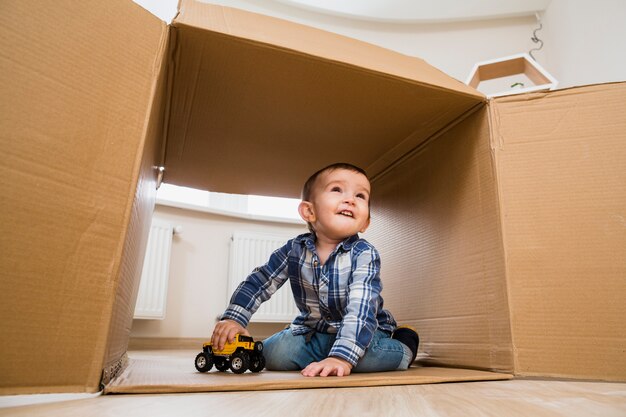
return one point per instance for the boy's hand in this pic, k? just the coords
(227, 330)
(330, 366)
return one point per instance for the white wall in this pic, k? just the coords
(585, 41)
(198, 285)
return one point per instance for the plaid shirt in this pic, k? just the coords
(342, 296)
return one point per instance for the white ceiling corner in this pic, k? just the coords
(422, 11)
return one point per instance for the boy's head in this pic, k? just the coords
(336, 201)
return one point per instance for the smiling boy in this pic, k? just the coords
(335, 280)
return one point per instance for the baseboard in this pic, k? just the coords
(260, 331)
(157, 343)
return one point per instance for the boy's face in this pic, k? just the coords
(339, 205)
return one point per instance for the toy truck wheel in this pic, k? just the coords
(221, 364)
(239, 362)
(258, 347)
(204, 362)
(257, 363)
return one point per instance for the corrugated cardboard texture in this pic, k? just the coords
(139, 220)
(435, 221)
(260, 103)
(562, 176)
(173, 371)
(306, 40)
(77, 80)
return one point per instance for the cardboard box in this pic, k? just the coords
(501, 223)
(504, 236)
(82, 88)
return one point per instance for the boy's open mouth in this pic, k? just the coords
(346, 213)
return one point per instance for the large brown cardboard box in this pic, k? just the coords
(504, 236)
(500, 222)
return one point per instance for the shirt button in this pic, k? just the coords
(315, 263)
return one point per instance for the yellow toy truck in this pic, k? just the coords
(242, 354)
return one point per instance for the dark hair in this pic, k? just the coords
(308, 185)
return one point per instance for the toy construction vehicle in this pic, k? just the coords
(242, 354)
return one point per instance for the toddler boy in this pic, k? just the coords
(335, 279)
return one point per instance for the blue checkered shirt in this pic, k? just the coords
(342, 296)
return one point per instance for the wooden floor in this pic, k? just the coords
(495, 398)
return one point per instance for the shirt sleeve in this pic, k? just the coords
(258, 287)
(359, 323)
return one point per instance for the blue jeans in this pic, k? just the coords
(285, 352)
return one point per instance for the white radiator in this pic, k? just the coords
(249, 250)
(152, 296)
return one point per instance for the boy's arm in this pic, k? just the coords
(254, 290)
(359, 323)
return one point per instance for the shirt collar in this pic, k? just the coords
(308, 240)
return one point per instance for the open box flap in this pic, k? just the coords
(307, 40)
(77, 87)
(172, 371)
(257, 97)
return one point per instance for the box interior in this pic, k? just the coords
(435, 220)
(172, 371)
(260, 103)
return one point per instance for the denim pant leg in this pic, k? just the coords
(285, 352)
(383, 354)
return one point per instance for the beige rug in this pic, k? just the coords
(173, 371)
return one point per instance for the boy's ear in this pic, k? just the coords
(305, 209)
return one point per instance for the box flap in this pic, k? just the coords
(171, 371)
(77, 84)
(256, 97)
(306, 40)
(138, 218)
(561, 160)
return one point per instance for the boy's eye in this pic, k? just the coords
(361, 196)
(336, 189)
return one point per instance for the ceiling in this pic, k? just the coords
(422, 11)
